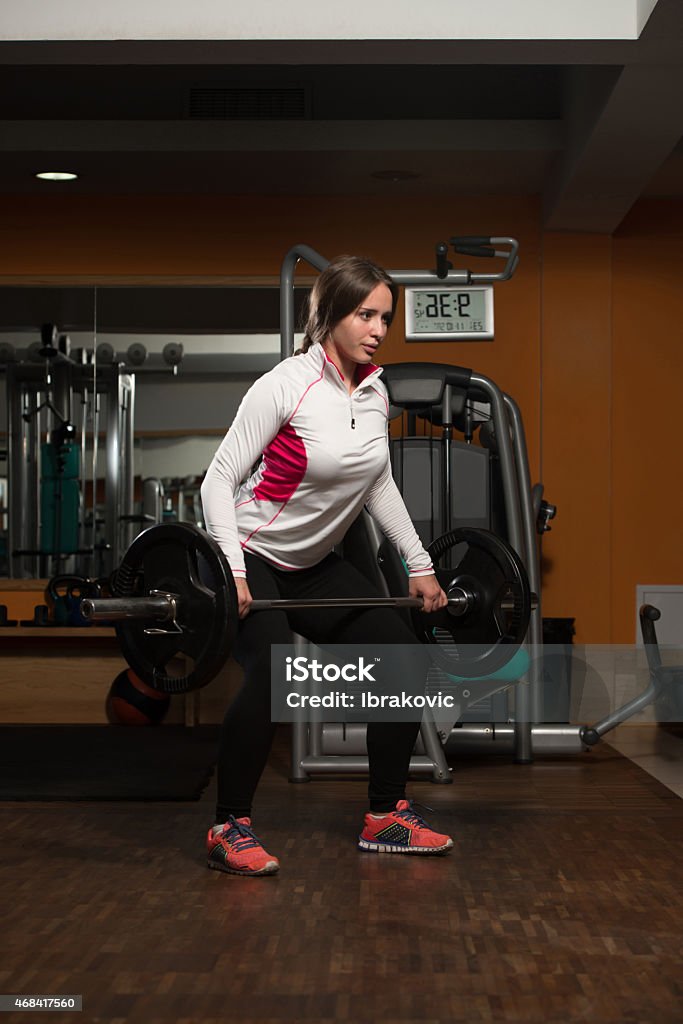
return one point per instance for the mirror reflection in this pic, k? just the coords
(112, 403)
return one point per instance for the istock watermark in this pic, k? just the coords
(554, 683)
(349, 682)
(362, 683)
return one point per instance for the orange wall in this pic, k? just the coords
(596, 378)
(575, 436)
(647, 387)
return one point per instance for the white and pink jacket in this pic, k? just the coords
(325, 456)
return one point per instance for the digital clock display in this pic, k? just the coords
(449, 314)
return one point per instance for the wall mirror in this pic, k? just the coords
(103, 388)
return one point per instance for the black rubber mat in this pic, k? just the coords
(81, 762)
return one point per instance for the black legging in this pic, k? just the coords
(247, 732)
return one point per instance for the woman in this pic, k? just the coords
(319, 419)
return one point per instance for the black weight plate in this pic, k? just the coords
(487, 636)
(179, 559)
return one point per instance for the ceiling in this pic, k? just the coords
(589, 126)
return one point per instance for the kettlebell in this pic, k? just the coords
(64, 595)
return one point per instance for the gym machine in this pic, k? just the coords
(57, 399)
(450, 397)
(439, 304)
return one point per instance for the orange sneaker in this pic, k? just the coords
(401, 831)
(234, 848)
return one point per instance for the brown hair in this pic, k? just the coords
(339, 290)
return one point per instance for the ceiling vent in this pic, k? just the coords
(236, 103)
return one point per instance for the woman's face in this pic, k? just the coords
(357, 336)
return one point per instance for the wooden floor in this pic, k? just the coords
(562, 901)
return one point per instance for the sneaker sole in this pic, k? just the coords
(267, 870)
(364, 844)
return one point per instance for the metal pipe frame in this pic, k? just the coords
(528, 520)
(15, 463)
(296, 253)
(112, 488)
(446, 440)
(470, 737)
(545, 739)
(119, 461)
(328, 764)
(407, 278)
(516, 536)
(309, 753)
(23, 464)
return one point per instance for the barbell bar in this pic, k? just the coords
(175, 596)
(164, 607)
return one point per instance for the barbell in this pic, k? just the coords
(175, 595)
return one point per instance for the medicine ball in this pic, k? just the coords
(132, 702)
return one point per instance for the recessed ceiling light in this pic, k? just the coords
(56, 175)
(395, 175)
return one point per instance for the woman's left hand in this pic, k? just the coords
(428, 588)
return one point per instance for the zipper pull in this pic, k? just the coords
(353, 423)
